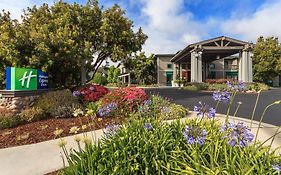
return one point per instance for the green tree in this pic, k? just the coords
(69, 40)
(8, 44)
(143, 67)
(266, 59)
(112, 75)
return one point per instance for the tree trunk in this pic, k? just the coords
(83, 73)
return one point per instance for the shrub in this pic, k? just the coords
(99, 79)
(32, 114)
(127, 99)
(9, 122)
(153, 147)
(257, 86)
(218, 81)
(92, 93)
(64, 111)
(196, 86)
(216, 87)
(54, 101)
(159, 107)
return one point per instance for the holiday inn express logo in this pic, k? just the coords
(25, 79)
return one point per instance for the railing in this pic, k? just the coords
(225, 68)
(231, 67)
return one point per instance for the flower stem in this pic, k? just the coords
(277, 130)
(261, 120)
(254, 110)
(236, 110)
(230, 103)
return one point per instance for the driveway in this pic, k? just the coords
(191, 98)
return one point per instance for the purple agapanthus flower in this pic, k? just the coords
(194, 135)
(147, 102)
(277, 168)
(240, 86)
(76, 93)
(103, 111)
(148, 126)
(204, 109)
(92, 88)
(111, 130)
(222, 96)
(237, 134)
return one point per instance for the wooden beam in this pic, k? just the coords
(223, 48)
(222, 42)
(217, 44)
(227, 43)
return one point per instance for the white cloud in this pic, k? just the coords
(16, 7)
(265, 21)
(168, 27)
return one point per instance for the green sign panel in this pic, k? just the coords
(21, 79)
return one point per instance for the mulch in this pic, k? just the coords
(43, 130)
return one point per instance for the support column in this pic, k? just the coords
(193, 70)
(240, 66)
(199, 68)
(250, 64)
(245, 66)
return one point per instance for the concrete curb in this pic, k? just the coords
(45, 157)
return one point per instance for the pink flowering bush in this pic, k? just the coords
(91, 92)
(127, 99)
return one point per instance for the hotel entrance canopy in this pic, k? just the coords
(212, 49)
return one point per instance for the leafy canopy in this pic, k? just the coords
(266, 59)
(64, 39)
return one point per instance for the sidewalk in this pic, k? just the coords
(45, 157)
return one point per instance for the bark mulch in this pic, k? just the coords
(44, 130)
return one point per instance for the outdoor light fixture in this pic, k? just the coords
(200, 53)
(218, 57)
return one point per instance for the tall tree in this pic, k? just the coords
(8, 44)
(68, 40)
(142, 66)
(266, 59)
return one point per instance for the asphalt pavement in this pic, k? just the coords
(191, 98)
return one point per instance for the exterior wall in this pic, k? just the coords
(223, 67)
(162, 69)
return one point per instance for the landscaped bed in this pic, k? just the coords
(44, 130)
(87, 108)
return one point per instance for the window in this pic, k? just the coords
(212, 66)
(169, 66)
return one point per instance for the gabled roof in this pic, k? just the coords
(220, 41)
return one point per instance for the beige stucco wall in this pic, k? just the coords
(162, 62)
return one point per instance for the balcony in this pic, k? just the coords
(230, 67)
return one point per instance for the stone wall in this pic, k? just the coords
(16, 104)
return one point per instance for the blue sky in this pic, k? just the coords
(173, 24)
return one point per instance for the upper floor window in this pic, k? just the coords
(212, 66)
(169, 66)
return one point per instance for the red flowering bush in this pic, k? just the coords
(127, 99)
(91, 93)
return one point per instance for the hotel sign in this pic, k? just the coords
(25, 79)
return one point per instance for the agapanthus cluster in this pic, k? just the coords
(277, 168)
(204, 109)
(237, 134)
(103, 111)
(111, 130)
(222, 96)
(148, 126)
(194, 134)
(76, 93)
(146, 106)
(240, 86)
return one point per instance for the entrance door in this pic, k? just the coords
(169, 78)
